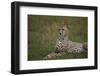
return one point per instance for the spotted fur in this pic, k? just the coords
(63, 44)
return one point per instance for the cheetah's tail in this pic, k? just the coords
(85, 46)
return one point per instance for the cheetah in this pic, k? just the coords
(63, 44)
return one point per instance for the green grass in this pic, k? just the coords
(43, 33)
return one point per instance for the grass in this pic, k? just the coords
(43, 33)
(70, 56)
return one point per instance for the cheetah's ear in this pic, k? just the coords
(68, 26)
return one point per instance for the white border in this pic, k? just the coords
(26, 65)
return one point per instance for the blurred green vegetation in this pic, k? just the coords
(43, 33)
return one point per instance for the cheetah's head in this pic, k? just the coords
(63, 31)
